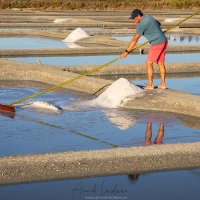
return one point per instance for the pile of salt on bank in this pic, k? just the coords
(75, 35)
(172, 19)
(41, 106)
(116, 93)
(60, 20)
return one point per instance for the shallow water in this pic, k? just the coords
(172, 39)
(31, 43)
(190, 85)
(80, 127)
(171, 185)
(100, 60)
(38, 42)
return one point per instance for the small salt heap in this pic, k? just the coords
(75, 35)
(42, 106)
(60, 20)
(172, 19)
(116, 93)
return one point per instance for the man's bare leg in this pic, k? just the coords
(149, 66)
(160, 134)
(148, 134)
(162, 75)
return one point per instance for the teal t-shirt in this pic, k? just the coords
(150, 29)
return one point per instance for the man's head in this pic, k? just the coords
(136, 15)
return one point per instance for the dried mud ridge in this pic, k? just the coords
(81, 164)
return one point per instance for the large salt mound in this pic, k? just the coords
(76, 34)
(114, 95)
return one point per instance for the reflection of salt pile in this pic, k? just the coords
(123, 122)
(42, 105)
(172, 19)
(116, 93)
(72, 45)
(60, 20)
(75, 35)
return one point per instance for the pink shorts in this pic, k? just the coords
(157, 52)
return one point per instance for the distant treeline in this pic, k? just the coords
(100, 4)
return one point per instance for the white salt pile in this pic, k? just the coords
(76, 34)
(116, 93)
(172, 19)
(114, 96)
(60, 20)
(42, 106)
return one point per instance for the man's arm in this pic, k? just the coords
(132, 43)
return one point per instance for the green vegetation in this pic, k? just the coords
(100, 4)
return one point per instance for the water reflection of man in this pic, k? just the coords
(133, 177)
(148, 135)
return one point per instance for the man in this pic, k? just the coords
(150, 29)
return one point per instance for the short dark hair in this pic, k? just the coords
(135, 13)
